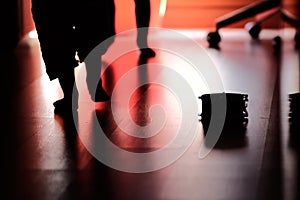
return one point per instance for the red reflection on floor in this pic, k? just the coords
(49, 161)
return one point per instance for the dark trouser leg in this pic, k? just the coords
(142, 16)
(94, 81)
(68, 85)
(67, 82)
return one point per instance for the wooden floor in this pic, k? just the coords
(45, 158)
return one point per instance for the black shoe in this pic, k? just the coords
(101, 95)
(61, 107)
(147, 53)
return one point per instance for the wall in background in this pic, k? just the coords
(202, 13)
(179, 14)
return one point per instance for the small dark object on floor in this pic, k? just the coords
(294, 116)
(236, 116)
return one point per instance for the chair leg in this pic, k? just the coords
(254, 28)
(290, 18)
(213, 38)
(297, 39)
(246, 12)
(253, 9)
(293, 21)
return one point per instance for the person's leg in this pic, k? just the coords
(94, 83)
(142, 16)
(91, 34)
(70, 100)
(93, 65)
(58, 49)
(66, 74)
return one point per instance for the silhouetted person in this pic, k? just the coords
(67, 27)
(142, 16)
